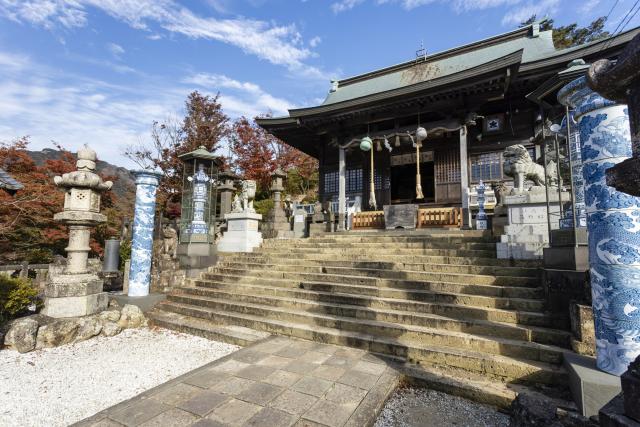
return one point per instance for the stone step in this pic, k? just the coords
(376, 277)
(429, 292)
(231, 334)
(424, 244)
(382, 265)
(406, 332)
(493, 366)
(436, 232)
(462, 383)
(338, 251)
(284, 266)
(381, 258)
(388, 240)
(334, 296)
(468, 326)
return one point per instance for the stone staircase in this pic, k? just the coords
(438, 302)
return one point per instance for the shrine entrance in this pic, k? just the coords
(403, 183)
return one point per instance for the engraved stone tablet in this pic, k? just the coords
(400, 216)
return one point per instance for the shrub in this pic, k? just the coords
(39, 256)
(16, 295)
(263, 206)
(125, 252)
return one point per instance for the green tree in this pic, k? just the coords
(572, 35)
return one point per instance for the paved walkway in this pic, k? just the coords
(276, 382)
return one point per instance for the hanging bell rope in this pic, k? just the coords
(421, 135)
(366, 144)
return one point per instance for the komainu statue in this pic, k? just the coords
(247, 195)
(519, 166)
(169, 241)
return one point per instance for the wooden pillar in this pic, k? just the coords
(342, 186)
(464, 179)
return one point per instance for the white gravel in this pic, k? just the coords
(63, 385)
(418, 407)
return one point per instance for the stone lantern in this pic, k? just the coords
(226, 188)
(277, 224)
(77, 291)
(197, 220)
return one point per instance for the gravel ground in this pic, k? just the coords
(414, 407)
(59, 386)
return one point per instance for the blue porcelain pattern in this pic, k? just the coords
(613, 222)
(142, 240)
(576, 175)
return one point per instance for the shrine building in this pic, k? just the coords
(473, 101)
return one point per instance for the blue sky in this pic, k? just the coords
(101, 71)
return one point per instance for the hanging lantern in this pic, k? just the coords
(421, 134)
(366, 143)
(397, 142)
(378, 145)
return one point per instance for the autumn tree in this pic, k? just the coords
(572, 35)
(204, 124)
(257, 154)
(253, 151)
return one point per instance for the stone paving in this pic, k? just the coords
(278, 381)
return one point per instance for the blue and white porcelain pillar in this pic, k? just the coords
(613, 222)
(142, 241)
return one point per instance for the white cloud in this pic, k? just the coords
(314, 42)
(241, 98)
(523, 12)
(52, 105)
(344, 5)
(278, 44)
(115, 49)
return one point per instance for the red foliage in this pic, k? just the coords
(26, 218)
(258, 154)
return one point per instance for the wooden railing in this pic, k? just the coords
(439, 217)
(370, 220)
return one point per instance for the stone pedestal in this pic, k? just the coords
(242, 233)
(166, 274)
(277, 225)
(527, 232)
(591, 388)
(74, 295)
(195, 257)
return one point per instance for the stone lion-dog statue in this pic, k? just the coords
(519, 166)
(247, 195)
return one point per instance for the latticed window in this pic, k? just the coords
(447, 166)
(486, 166)
(354, 180)
(331, 182)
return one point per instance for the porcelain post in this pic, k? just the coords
(613, 223)
(142, 241)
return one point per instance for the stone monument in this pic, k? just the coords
(76, 291)
(300, 223)
(147, 182)
(527, 232)
(277, 223)
(242, 233)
